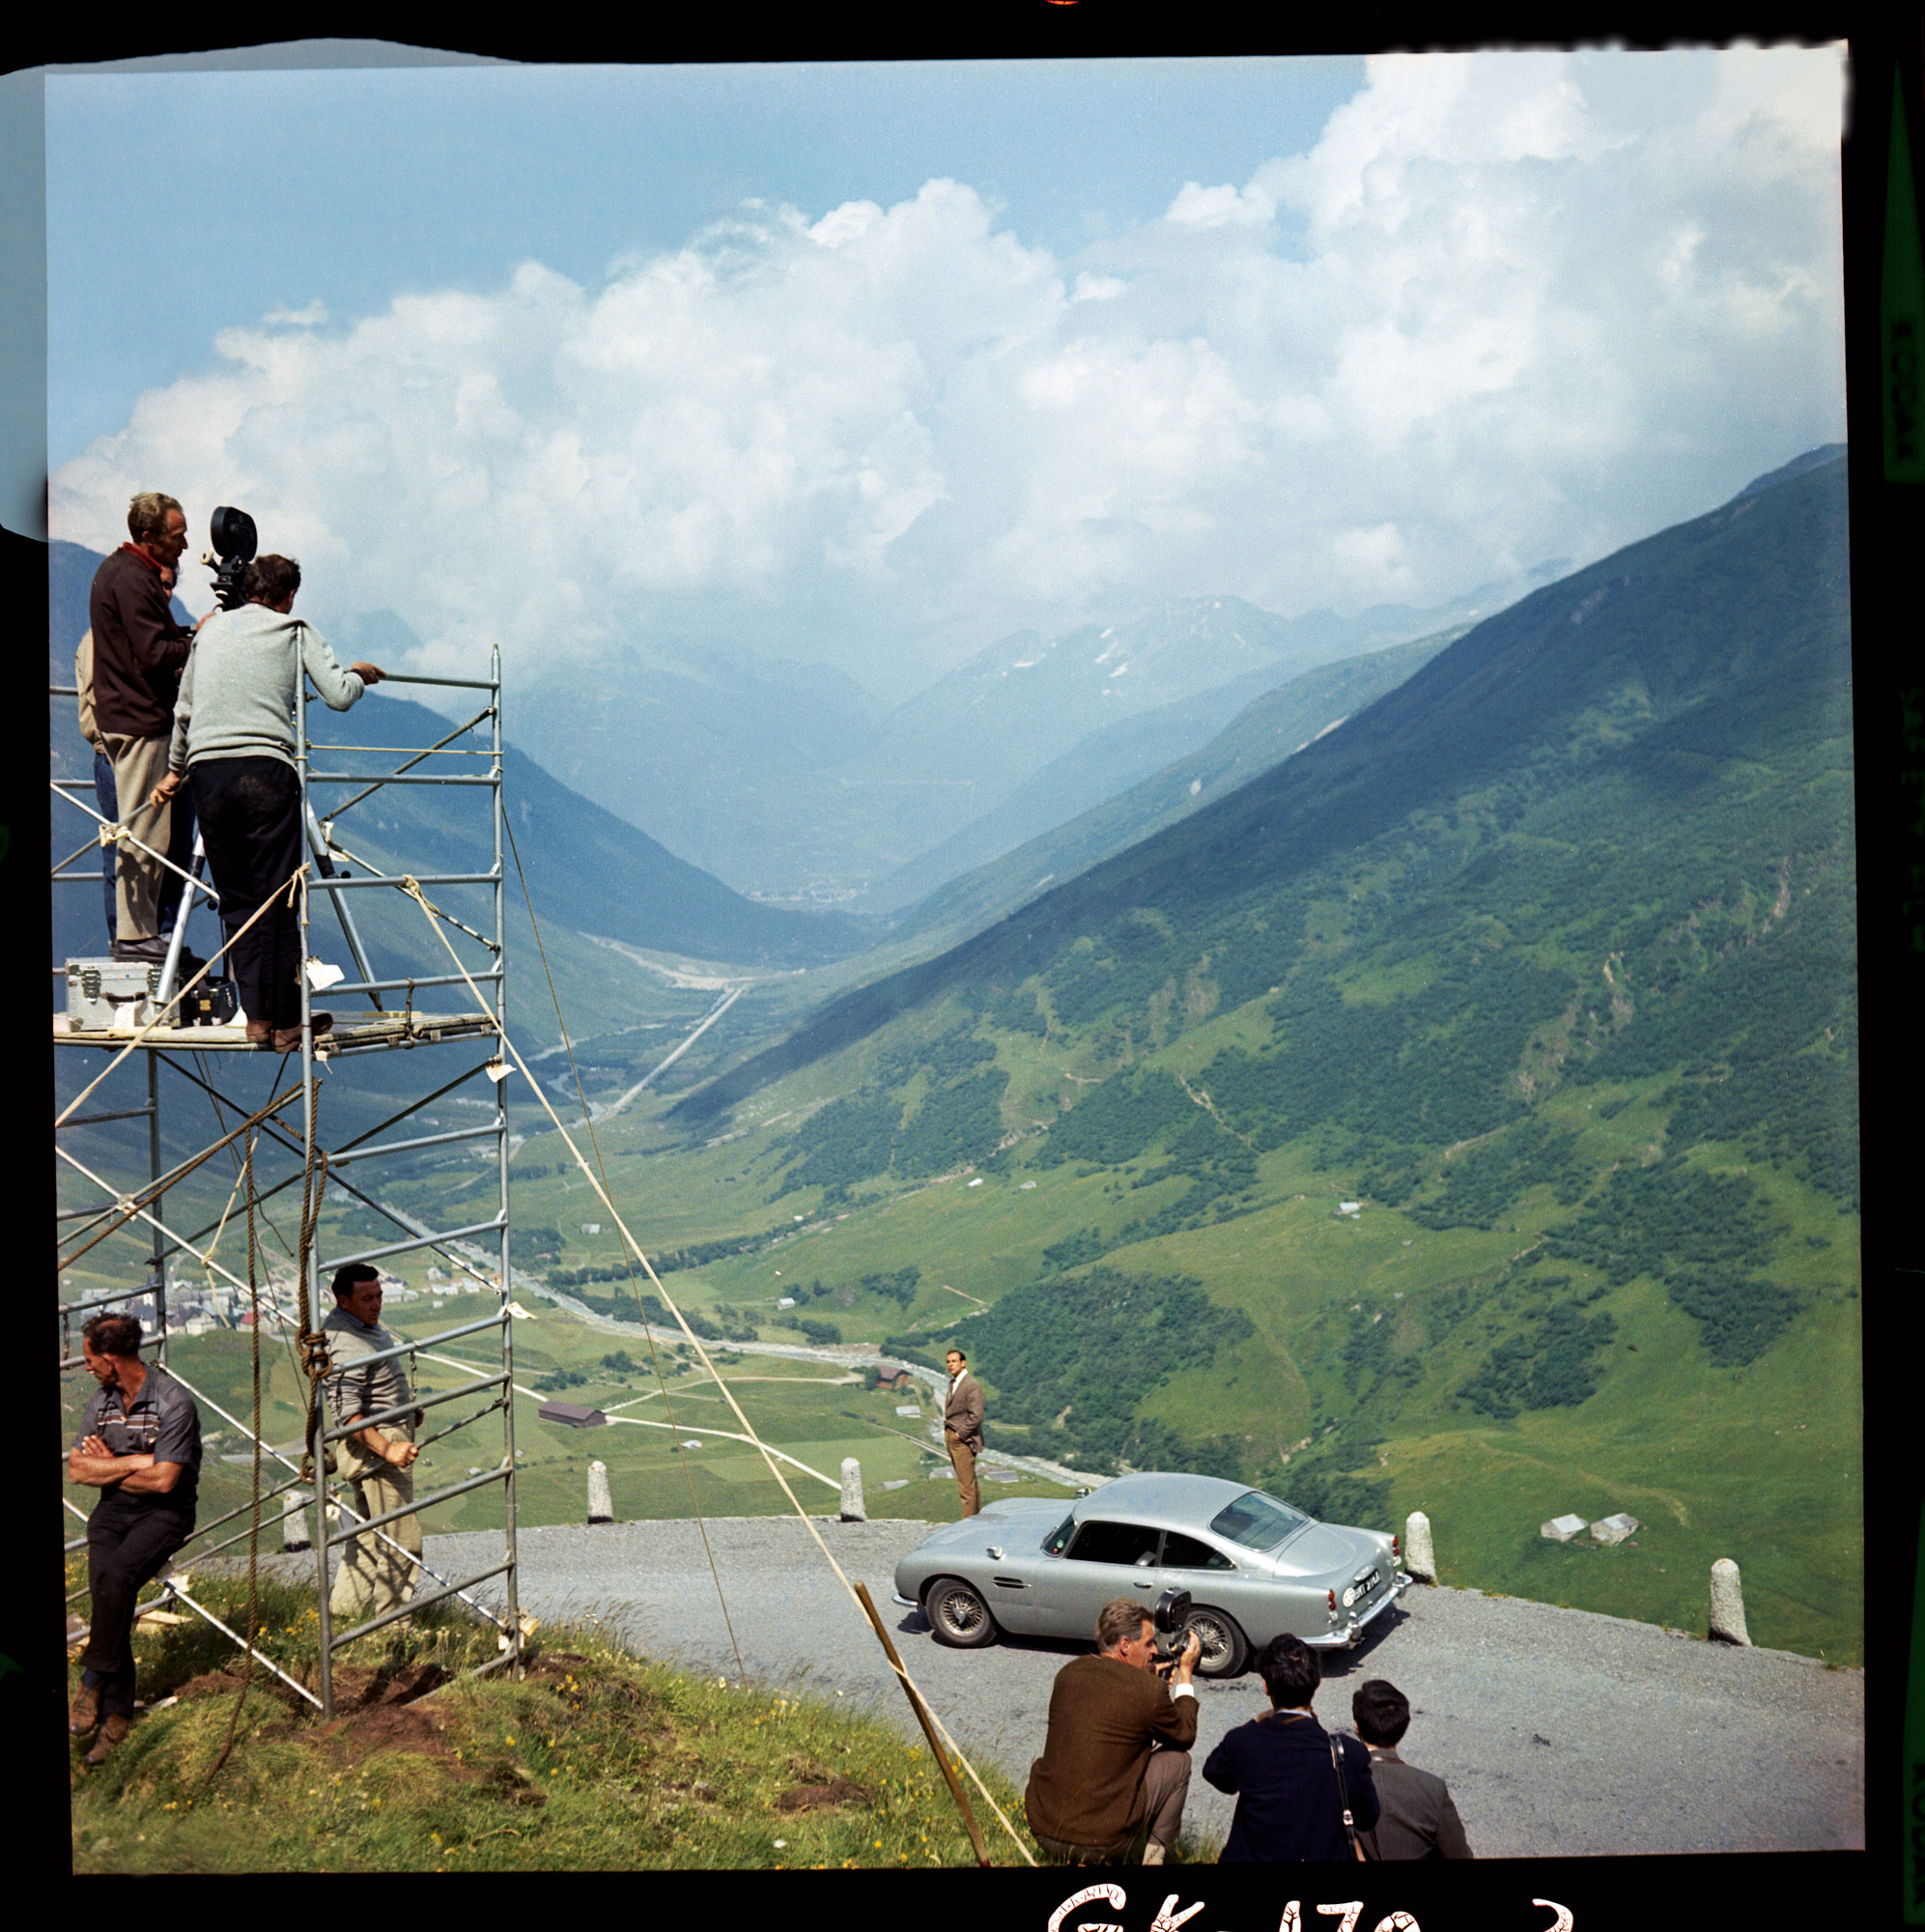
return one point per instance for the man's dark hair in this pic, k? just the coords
(349, 1273)
(1382, 1711)
(952, 1349)
(148, 513)
(1290, 1672)
(271, 580)
(1120, 1618)
(113, 1335)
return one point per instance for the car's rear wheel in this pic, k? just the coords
(1225, 1647)
(959, 1616)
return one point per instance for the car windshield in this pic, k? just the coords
(1258, 1522)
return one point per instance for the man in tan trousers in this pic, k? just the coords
(139, 652)
(962, 1429)
(377, 1462)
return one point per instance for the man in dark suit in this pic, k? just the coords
(1418, 1820)
(962, 1429)
(1292, 1801)
(1115, 1762)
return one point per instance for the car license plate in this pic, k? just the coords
(1367, 1583)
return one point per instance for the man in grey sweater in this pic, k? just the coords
(233, 740)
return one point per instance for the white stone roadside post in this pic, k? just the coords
(1727, 1605)
(601, 1499)
(1419, 1558)
(294, 1522)
(851, 1491)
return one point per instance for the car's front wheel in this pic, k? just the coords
(959, 1616)
(1225, 1648)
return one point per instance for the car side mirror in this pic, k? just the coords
(994, 1550)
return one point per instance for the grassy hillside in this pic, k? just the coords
(1547, 962)
(594, 1761)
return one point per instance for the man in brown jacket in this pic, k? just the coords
(1419, 1819)
(139, 652)
(1116, 1760)
(962, 1429)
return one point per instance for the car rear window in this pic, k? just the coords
(1258, 1522)
(1185, 1553)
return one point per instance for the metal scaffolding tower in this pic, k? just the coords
(109, 1212)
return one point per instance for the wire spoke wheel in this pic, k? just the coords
(1224, 1647)
(957, 1615)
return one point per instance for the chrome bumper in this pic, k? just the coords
(910, 1602)
(1352, 1632)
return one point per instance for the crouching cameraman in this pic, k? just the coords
(1115, 1762)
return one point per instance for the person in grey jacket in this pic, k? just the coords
(234, 739)
(1418, 1819)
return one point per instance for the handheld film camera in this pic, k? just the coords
(1170, 1616)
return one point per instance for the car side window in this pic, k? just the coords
(1115, 1542)
(1185, 1553)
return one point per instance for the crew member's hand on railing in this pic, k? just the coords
(368, 673)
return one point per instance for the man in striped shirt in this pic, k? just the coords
(140, 1446)
(377, 1462)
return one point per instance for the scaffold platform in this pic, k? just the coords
(141, 1174)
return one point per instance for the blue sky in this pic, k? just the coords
(368, 184)
(876, 364)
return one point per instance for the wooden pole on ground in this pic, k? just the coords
(916, 1704)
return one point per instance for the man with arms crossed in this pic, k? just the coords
(140, 1446)
(962, 1429)
(377, 1461)
(1116, 1759)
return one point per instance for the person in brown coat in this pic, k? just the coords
(962, 1429)
(139, 652)
(1419, 1819)
(1116, 1760)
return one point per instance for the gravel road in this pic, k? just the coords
(1561, 1732)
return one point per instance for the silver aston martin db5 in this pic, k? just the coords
(1255, 1568)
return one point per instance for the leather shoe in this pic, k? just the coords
(259, 1033)
(148, 952)
(113, 1732)
(85, 1712)
(287, 1040)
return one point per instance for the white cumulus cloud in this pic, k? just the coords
(1510, 305)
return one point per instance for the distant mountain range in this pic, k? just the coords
(792, 782)
(1721, 638)
(586, 866)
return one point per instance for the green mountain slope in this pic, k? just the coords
(1265, 731)
(1545, 962)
